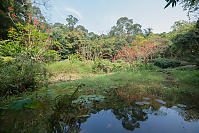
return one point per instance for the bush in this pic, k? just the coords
(20, 75)
(166, 63)
(107, 66)
(144, 66)
(140, 66)
(102, 65)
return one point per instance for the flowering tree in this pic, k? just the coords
(139, 51)
(90, 50)
(28, 40)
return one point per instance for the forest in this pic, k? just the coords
(62, 78)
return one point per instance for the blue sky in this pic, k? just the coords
(100, 15)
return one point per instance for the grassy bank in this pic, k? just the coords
(67, 71)
(73, 70)
(139, 82)
(175, 85)
(134, 80)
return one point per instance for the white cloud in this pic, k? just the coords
(74, 11)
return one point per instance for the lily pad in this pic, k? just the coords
(147, 111)
(83, 116)
(99, 97)
(113, 87)
(146, 98)
(106, 88)
(160, 113)
(33, 105)
(160, 101)
(154, 112)
(142, 103)
(19, 104)
(181, 105)
(180, 111)
(88, 98)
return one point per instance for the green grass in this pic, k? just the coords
(190, 78)
(67, 71)
(70, 67)
(133, 80)
(187, 90)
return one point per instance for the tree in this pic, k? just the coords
(125, 29)
(93, 36)
(58, 25)
(174, 2)
(123, 26)
(191, 5)
(18, 7)
(185, 38)
(147, 32)
(71, 21)
(178, 24)
(37, 13)
(82, 28)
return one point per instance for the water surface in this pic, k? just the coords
(100, 114)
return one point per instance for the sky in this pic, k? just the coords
(99, 16)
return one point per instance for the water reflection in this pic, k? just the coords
(110, 115)
(130, 117)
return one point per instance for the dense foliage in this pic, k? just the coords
(19, 75)
(166, 63)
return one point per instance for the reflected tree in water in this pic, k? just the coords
(130, 117)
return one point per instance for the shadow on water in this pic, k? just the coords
(114, 113)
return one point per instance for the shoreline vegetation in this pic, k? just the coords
(144, 78)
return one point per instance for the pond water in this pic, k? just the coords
(111, 121)
(99, 114)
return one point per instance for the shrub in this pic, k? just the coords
(107, 66)
(144, 66)
(75, 58)
(102, 65)
(120, 65)
(141, 66)
(166, 63)
(20, 75)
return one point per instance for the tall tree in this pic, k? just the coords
(147, 32)
(82, 28)
(18, 7)
(71, 21)
(178, 24)
(125, 26)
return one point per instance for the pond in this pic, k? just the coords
(137, 121)
(100, 114)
